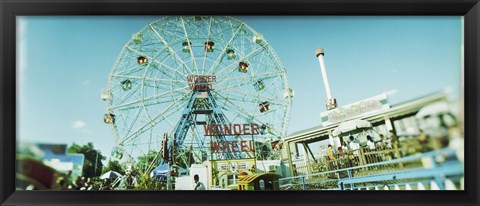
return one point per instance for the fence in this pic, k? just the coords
(362, 156)
(380, 169)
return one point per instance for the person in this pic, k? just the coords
(294, 169)
(393, 138)
(386, 143)
(341, 156)
(394, 144)
(106, 184)
(62, 184)
(373, 157)
(370, 143)
(353, 152)
(82, 183)
(340, 152)
(330, 152)
(422, 140)
(198, 185)
(344, 147)
(354, 147)
(331, 157)
(78, 183)
(380, 143)
(128, 181)
(89, 184)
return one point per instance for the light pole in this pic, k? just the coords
(96, 160)
(331, 102)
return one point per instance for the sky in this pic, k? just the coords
(63, 64)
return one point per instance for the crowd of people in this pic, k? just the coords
(64, 182)
(83, 183)
(351, 146)
(352, 150)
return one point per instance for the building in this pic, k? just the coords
(303, 149)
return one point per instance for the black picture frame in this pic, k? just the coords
(9, 9)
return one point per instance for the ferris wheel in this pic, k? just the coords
(179, 74)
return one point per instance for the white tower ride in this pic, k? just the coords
(331, 102)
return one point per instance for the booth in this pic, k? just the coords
(264, 181)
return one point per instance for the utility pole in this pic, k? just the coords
(96, 160)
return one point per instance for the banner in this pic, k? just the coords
(355, 110)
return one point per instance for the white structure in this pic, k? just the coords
(331, 102)
(187, 182)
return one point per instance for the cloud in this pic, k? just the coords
(78, 124)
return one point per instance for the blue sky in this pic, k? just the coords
(64, 63)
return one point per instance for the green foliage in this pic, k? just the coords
(92, 156)
(147, 183)
(114, 166)
(148, 162)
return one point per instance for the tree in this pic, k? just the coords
(147, 183)
(148, 162)
(92, 156)
(114, 166)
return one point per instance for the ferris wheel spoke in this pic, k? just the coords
(166, 120)
(172, 51)
(255, 102)
(150, 119)
(156, 118)
(188, 40)
(208, 39)
(222, 53)
(127, 96)
(151, 166)
(237, 77)
(263, 114)
(248, 116)
(147, 98)
(149, 78)
(259, 64)
(137, 105)
(262, 76)
(140, 142)
(132, 123)
(251, 54)
(134, 147)
(236, 108)
(171, 79)
(245, 96)
(195, 139)
(166, 31)
(235, 116)
(157, 103)
(254, 95)
(156, 61)
(129, 69)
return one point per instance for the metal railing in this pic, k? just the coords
(378, 168)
